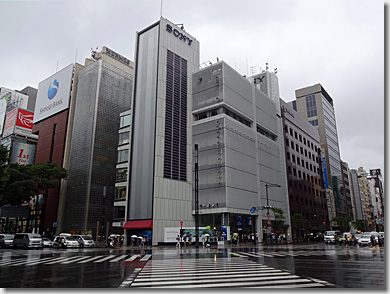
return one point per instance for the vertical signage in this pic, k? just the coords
(3, 110)
(9, 123)
(324, 169)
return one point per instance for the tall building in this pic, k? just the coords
(346, 190)
(241, 165)
(316, 105)
(160, 167)
(53, 120)
(103, 92)
(304, 172)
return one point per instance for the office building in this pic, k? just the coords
(160, 167)
(241, 164)
(316, 105)
(53, 121)
(304, 172)
(104, 91)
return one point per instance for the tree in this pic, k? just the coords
(278, 224)
(25, 181)
(298, 221)
(359, 225)
(342, 223)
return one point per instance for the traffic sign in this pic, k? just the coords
(252, 210)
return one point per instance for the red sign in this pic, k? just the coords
(25, 119)
(181, 223)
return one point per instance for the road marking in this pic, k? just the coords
(132, 258)
(75, 260)
(119, 258)
(61, 259)
(146, 257)
(91, 259)
(105, 258)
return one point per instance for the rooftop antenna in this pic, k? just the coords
(181, 25)
(161, 9)
(253, 69)
(276, 70)
(75, 57)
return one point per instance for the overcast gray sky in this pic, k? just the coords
(338, 43)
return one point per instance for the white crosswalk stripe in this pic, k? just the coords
(74, 259)
(215, 273)
(279, 253)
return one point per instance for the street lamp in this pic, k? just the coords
(196, 197)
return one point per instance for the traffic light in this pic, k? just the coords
(181, 232)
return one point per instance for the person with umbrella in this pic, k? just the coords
(207, 240)
(189, 236)
(178, 241)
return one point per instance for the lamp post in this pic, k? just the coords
(196, 197)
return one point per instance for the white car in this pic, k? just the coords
(84, 240)
(47, 242)
(65, 242)
(365, 239)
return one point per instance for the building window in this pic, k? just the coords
(125, 121)
(120, 193)
(119, 212)
(124, 138)
(123, 155)
(175, 141)
(314, 122)
(287, 144)
(121, 174)
(311, 106)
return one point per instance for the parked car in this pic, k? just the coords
(347, 237)
(47, 242)
(332, 236)
(6, 240)
(84, 240)
(65, 242)
(365, 239)
(27, 240)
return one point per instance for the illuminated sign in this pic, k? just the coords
(22, 153)
(178, 34)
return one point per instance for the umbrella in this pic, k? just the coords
(140, 237)
(189, 235)
(207, 235)
(235, 234)
(134, 236)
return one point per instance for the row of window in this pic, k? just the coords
(312, 216)
(299, 174)
(301, 138)
(308, 203)
(301, 150)
(237, 117)
(125, 121)
(302, 162)
(308, 189)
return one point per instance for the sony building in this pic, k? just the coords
(104, 91)
(160, 167)
(241, 163)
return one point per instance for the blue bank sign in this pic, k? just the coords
(178, 34)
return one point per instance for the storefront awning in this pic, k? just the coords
(139, 224)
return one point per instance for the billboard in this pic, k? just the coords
(22, 153)
(3, 110)
(53, 94)
(24, 122)
(9, 123)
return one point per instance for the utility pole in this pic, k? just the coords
(196, 197)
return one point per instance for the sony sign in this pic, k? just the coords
(178, 34)
(53, 94)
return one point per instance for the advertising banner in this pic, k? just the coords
(53, 94)
(3, 110)
(9, 124)
(24, 122)
(22, 153)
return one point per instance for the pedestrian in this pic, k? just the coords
(203, 240)
(178, 241)
(207, 241)
(372, 238)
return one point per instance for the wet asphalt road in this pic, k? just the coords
(307, 265)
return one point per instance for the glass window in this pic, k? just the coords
(121, 174)
(125, 121)
(124, 138)
(120, 193)
(123, 155)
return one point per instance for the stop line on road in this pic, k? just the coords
(74, 259)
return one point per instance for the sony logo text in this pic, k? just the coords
(177, 34)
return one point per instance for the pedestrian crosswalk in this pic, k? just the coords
(216, 273)
(281, 253)
(77, 259)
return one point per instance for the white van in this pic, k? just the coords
(27, 240)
